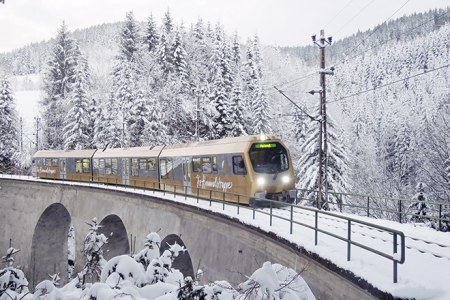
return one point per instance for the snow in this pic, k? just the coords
(424, 275)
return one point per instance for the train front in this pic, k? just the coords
(273, 174)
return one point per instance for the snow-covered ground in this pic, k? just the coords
(424, 275)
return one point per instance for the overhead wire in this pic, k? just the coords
(340, 11)
(394, 37)
(376, 29)
(357, 14)
(389, 83)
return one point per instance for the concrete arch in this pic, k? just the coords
(183, 262)
(114, 229)
(49, 253)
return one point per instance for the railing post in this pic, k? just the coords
(349, 239)
(340, 203)
(368, 205)
(440, 216)
(292, 218)
(210, 197)
(316, 225)
(223, 207)
(395, 260)
(253, 212)
(296, 196)
(198, 190)
(238, 205)
(400, 211)
(174, 190)
(271, 213)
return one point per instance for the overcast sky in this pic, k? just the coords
(277, 22)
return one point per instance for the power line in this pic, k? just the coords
(390, 39)
(357, 14)
(296, 79)
(377, 28)
(342, 9)
(295, 104)
(389, 83)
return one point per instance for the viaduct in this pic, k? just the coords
(36, 216)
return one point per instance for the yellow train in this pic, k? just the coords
(242, 169)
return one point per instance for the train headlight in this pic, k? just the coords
(260, 181)
(286, 179)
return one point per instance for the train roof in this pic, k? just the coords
(64, 153)
(226, 145)
(146, 151)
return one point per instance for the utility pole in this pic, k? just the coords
(323, 147)
(37, 132)
(21, 134)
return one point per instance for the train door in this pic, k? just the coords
(187, 174)
(62, 168)
(126, 171)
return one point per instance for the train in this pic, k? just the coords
(242, 169)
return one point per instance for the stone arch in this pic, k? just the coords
(118, 243)
(183, 262)
(49, 246)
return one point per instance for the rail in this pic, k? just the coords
(397, 255)
(393, 209)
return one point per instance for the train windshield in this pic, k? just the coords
(269, 157)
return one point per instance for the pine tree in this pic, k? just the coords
(129, 39)
(156, 131)
(167, 23)
(8, 129)
(179, 59)
(257, 118)
(76, 130)
(136, 129)
(236, 112)
(126, 74)
(309, 164)
(112, 134)
(419, 208)
(58, 83)
(219, 99)
(151, 37)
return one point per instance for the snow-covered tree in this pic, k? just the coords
(309, 165)
(256, 101)
(93, 253)
(151, 36)
(77, 130)
(419, 208)
(180, 59)
(58, 84)
(8, 129)
(13, 284)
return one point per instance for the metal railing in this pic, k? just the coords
(272, 209)
(393, 209)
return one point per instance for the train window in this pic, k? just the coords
(86, 165)
(206, 165)
(101, 164)
(142, 164)
(134, 169)
(108, 170)
(239, 165)
(78, 166)
(94, 165)
(114, 166)
(55, 162)
(214, 164)
(48, 162)
(152, 163)
(196, 164)
(166, 168)
(269, 158)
